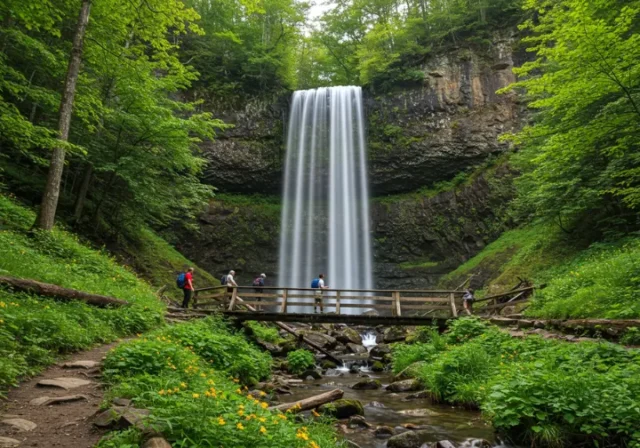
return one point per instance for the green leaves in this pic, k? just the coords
(299, 360)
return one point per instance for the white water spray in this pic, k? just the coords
(325, 216)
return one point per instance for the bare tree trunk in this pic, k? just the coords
(309, 403)
(82, 194)
(47, 214)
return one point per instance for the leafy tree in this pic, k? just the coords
(580, 155)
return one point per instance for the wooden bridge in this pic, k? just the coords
(391, 307)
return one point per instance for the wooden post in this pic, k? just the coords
(284, 301)
(452, 299)
(337, 302)
(195, 299)
(396, 296)
(234, 296)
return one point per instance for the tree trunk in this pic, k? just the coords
(309, 403)
(82, 194)
(49, 290)
(47, 214)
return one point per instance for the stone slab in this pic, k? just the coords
(64, 383)
(46, 401)
(20, 424)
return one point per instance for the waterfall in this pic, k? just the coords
(325, 215)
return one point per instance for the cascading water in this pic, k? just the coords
(325, 217)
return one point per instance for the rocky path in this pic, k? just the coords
(56, 408)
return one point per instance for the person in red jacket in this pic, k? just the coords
(187, 289)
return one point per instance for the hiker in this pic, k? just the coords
(258, 284)
(467, 301)
(230, 281)
(185, 282)
(318, 285)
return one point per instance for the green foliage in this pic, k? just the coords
(540, 392)
(631, 337)
(405, 355)
(195, 403)
(465, 328)
(300, 360)
(383, 43)
(34, 330)
(580, 155)
(264, 332)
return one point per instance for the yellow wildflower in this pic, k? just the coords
(262, 393)
(239, 426)
(176, 390)
(302, 435)
(240, 412)
(264, 405)
(221, 421)
(236, 380)
(183, 385)
(196, 395)
(262, 419)
(313, 444)
(161, 392)
(263, 430)
(282, 416)
(315, 414)
(239, 391)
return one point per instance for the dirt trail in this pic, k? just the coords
(67, 424)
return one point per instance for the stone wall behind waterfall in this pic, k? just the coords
(417, 137)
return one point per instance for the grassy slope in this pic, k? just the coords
(34, 330)
(601, 280)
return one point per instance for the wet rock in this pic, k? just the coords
(379, 351)
(46, 401)
(417, 396)
(358, 421)
(64, 383)
(328, 364)
(475, 443)
(314, 374)
(394, 334)
(80, 365)
(355, 368)
(383, 432)
(7, 442)
(121, 402)
(323, 340)
(348, 335)
(367, 384)
(118, 417)
(342, 408)
(376, 404)
(156, 442)
(356, 348)
(409, 439)
(443, 444)
(404, 386)
(20, 424)
(377, 366)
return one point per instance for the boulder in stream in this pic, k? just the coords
(394, 334)
(358, 421)
(323, 340)
(367, 384)
(443, 444)
(377, 366)
(348, 335)
(327, 364)
(410, 385)
(343, 408)
(383, 432)
(379, 351)
(409, 439)
(356, 348)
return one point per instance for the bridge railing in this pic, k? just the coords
(338, 301)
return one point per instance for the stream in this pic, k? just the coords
(383, 408)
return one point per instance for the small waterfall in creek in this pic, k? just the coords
(325, 216)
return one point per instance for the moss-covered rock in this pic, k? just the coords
(343, 408)
(328, 364)
(377, 366)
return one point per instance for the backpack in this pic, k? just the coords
(258, 282)
(315, 284)
(181, 280)
(223, 280)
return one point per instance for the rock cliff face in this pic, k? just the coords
(416, 137)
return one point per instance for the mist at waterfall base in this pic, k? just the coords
(325, 216)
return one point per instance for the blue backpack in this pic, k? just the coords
(181, 280)
(315, 284)
(223, 280)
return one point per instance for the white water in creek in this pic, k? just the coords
(325, 216)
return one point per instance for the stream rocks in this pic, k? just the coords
(409, 439)
(356, 348)
(348, 335)
(410, 385)
(394, 334)
(343, 408)
(367, 384)
(379, 351)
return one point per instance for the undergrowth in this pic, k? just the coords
(300, 360)
(535, 391)
(34, 330)
(197, 398)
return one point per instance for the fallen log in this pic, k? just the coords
(49, 290)
(309, 403)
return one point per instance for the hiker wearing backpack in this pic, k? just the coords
(258, 284)
(230, 281)
(185, 282)
(318, 285)
(467, 301)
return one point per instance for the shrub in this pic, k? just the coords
(403, 355)
(193, 403)
(465, 328)
(300, 360)
(265, 333)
